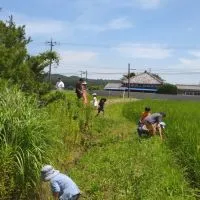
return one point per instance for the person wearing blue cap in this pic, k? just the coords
(62, 186)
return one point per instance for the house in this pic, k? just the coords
(144, 82)
(188, 89)
(114, 86)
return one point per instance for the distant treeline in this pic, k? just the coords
(70, 82)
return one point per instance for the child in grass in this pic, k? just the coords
(147, 112)
(62, 186)
(101, 105)
(141, 127)
(95, 101)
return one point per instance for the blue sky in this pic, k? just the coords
(103, 36)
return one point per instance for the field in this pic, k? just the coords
(120, 166)
(102, 154)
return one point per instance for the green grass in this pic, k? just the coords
(103, 154)
(121, 167)
(25, 137)
(31, 136)
(183, 134)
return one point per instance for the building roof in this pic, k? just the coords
(144, 78)
(188, 87)
(114, 86)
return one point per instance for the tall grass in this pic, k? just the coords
(25, 137)
(32, 135)
(73, 124)
(182, 132)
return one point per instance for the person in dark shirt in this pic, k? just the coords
(79, 88)
(101, 105)
(152, 123)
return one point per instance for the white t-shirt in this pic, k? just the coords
(95, 102)
(60, 85)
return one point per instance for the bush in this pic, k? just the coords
(52, 97)
(167, 89)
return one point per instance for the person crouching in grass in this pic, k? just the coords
(152, 123)
(62, 186)
(141, 129)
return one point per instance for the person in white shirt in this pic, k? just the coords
(60, 85)
(95, 101)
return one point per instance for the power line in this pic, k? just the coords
(122, 73)
(181, 47)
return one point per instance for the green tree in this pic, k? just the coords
(12, 49)
(16, 64)
(158, 77)
(167, 89)
(126, 76)
(36, 65)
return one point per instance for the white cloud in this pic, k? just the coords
(193, 63)
(43, 27)
(190, 29)
(152, 51)
(90, 5)
(120, 23)
(50, 27)
(195, 53)
(38, 26)
(149, 4)
(75, 57)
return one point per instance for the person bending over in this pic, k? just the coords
(62, 186)
(152, 123)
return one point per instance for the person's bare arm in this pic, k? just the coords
(160, 132)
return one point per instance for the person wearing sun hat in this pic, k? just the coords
(62, 186)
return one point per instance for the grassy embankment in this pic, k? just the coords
(33, 134)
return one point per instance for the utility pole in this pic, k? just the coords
(129, 69)
(51, 43)
(82, 72)
(129, 74)
(86, 74)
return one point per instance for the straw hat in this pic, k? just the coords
(48, 172)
